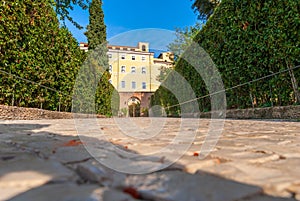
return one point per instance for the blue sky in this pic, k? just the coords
(138, 20)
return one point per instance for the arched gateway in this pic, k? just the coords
(141, 100)
(134, 106)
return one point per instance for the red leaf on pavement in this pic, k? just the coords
(73, 143)
(196, 154)
(132, 191)
(218, 161)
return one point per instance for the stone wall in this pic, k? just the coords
(22, 113)
(283, 112)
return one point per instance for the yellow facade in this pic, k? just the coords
(135, 69)
(130, 68)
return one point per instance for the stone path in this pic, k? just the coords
(45, 160)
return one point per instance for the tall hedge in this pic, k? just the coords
(247, 40)
(35, 48)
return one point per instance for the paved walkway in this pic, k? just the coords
(46, 160)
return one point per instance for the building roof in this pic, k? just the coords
(84, 46)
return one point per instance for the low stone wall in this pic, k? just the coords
(22, 113)
(283, 112)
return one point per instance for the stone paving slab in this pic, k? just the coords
(22, 172)
(73, 192)
(178, 186)
(253, 160)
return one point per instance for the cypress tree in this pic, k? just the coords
(97, 59)
(96, 30)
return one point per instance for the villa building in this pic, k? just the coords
(134, 72)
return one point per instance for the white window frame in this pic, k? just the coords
(110, 56)
(143, 58)
(144, 85)
(123, 69)
(133, 69)
(144, 70)
(123, 56)
(110, 68)
(133, 57)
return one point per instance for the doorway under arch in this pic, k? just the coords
(134, 106)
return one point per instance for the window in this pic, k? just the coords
(110, 69)
(143, 70)
(133, 57)
(109, 55)
(133, 85)
(143, 58)
(144, 48)
(123, 69)
(123, 56)
(133, 69)
(123, 84)
(144, 86)
(110, 81)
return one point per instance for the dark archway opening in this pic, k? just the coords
(134, 107)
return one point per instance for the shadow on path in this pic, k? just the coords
(38, 165)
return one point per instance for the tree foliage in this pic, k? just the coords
(62, 8)
(97, 57)
(247, 40)
(184, 38)
(96, 30)
(205, 8)
(34, 47)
